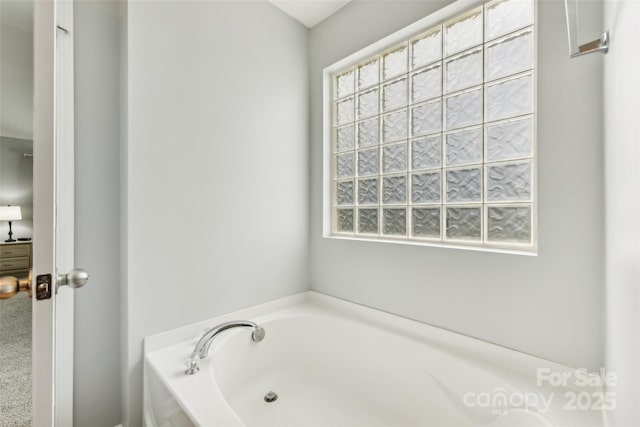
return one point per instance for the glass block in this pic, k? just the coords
(510, 98)
(394, 158)
(344, 113)
(464, 109)
(368, 133)
(509, 182)
(426, 152)
(344, 165)
(394, 63)
(463, 33)
(395, 222)
(394, 95)
(344, 138)
(345, 220)
(394, 189)
(464, 185)
(505, 16)
(368, 103)
(368, 191)
(464, 71)
(463, 147)
(426, 118)
(344, 192)
(344, 84)
(368, 74)
(425, 187)
(511, 55)
(368, 221)
(464, 223)
(394, 126)
(509, 224)
(368, 162)
(425, 222)
(426, 84)
(510, 140)
(427, 49)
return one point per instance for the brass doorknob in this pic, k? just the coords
(10, 286)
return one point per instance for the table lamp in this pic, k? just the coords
(10, 213)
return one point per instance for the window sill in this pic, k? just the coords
(512, 249)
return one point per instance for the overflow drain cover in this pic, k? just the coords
(270, 397)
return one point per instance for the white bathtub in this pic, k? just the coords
(334, 363)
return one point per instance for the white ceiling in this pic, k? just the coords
(17, 14)
(309, 12)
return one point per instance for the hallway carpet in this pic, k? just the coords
(15, 357)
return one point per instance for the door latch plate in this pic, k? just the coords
(43, 286)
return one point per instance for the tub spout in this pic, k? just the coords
(201, 350)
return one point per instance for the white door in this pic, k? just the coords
(53, 194)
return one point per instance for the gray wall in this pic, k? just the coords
(97, 191)
(16, 184)
(622, 134)
(16, 117)
(216, 165)
(550, 305)
(16, 81)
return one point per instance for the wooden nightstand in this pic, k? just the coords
(15, 258)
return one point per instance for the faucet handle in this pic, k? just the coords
(192, 364)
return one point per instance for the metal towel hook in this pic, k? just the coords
(575, 50)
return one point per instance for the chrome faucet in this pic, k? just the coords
(202, 348)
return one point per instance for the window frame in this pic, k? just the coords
(421, 27)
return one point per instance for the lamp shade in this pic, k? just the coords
(10, 213)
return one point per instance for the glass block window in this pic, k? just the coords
(433, 139)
